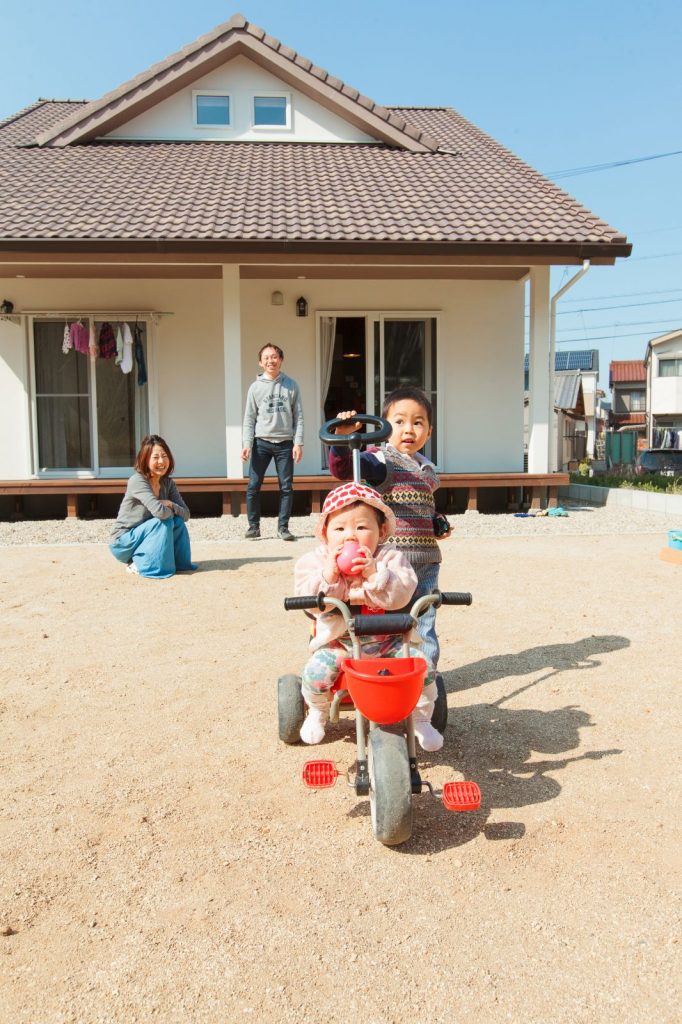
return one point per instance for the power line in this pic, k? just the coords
(623, 295)
(607, 337)
(624, 305)
(591, 168)
(629, 323)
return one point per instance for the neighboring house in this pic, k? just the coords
(236, 194)
(570, 427)
(575, 423)
(627, 380)
(663, 363)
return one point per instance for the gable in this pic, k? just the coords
(240, 80)
(236, 37)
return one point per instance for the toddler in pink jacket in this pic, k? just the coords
(382, 580)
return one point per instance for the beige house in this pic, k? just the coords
(236, 194)
(663, 370)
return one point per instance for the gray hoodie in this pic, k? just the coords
(273, 411)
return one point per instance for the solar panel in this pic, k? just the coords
(585, 359)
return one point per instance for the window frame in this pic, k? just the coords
(676, 360)
(96, 470)
(286, 96)
(196, 93)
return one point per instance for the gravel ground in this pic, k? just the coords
(584, 520)
(162, 861)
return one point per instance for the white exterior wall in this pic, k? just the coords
(480, 354)
(173, 118)
(186, 365)
(666, 392)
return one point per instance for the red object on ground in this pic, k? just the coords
(461, 796)
(319, 774)
(388, 698)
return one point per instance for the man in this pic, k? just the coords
(273, 429)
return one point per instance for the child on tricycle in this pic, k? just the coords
(375, 577)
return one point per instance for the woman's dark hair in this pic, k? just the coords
(142, 460)
(408, 394)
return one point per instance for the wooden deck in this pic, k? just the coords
(531, 488)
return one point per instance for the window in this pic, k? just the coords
(637, 401)
(212, 109)
(271, 111)
(670, 367)
(89, 415)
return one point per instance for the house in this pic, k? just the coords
(236, 194)
(569, 423)
(663, 368)
(627, 380)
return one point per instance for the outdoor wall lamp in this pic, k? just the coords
(277, 299)
(301, 307)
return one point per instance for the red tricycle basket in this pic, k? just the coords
(385, 690)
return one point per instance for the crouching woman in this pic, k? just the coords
(149, 534)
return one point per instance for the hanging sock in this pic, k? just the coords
(127, 361)
(66, 341)
(139, 357)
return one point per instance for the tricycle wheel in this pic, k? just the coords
(390, 792)
(439, 718)
(290, 708)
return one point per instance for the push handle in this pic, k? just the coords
(358, 437)
(452, 597)
(392, 623)
(300, 604)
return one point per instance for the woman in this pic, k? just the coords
(149, 534)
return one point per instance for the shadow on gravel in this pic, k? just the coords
(493, 745)
(582, 654)
(231, 564)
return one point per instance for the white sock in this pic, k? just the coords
(312, 730)
(427, 735)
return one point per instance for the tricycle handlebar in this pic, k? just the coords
(299, 604)
(452, 597)
(389, 623)
(329, 436)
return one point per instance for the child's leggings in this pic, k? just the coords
(323, 667)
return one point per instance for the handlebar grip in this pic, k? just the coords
(300, 604)
(452, 597)
(393, 623)
(382, 433)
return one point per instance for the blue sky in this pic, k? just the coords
(562, 85)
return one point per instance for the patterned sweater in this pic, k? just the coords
(407, 485)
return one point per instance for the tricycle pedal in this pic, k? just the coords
(319, 774)
(461, 796)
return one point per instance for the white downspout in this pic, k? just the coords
(552, 460)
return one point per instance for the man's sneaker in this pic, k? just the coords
(285, 535)
(253, 533)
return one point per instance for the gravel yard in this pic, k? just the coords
(161, 859)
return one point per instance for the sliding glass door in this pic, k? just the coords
(89, 416)
(405, 355)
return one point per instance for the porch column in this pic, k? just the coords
(232, 368)
(540, 396)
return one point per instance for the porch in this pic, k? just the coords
(534, 489)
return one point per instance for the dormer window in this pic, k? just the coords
(272, 110)
(212, 109)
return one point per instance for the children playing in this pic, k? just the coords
(381, 579)
(406, 480)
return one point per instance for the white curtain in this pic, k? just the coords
(327, 338)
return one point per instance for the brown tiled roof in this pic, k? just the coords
(290, 192)
(441, 183)
(622, 419)
(626, 370)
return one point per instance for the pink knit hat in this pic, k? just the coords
(347, 494)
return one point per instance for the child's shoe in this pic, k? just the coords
(312, 730)
(428, 736)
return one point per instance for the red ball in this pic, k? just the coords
(344, 559)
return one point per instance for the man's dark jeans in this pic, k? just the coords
(262, 454)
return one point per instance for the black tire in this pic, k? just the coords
(439, 718)
(390, 792)
(290, 708)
